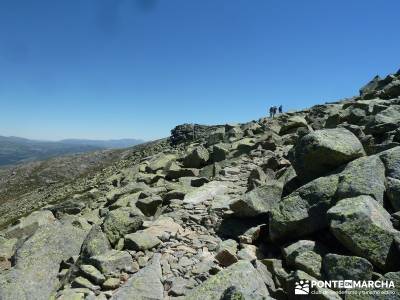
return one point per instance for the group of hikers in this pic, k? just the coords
(274, 109)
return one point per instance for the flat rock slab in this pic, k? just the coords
(145, 284)
(206, 192)
(163, 225)
(241, 275)
(37, 262)
(141, 241)
(29, 224)
(113, 261)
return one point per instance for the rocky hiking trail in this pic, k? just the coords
(236, 211)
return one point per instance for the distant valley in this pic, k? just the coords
(105, 144)
(16, 150)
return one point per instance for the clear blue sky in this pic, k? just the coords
(130, 68)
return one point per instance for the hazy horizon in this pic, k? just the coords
(103, 69)
(71, 138)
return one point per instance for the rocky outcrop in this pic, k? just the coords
(304, 211)
(191, 132)
(363, 226)
(322, 151)
(235, 211)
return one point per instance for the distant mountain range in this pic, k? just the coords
(16, 150)
(105, 144)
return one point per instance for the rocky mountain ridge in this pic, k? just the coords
(236, 211)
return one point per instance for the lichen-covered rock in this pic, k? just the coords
(279, 273)
(249, 252)
(37, 261)
(217, 136)
(391, 115)
(363, 176)
(7, 249)
(28, 225)
(141, 241)
(149, 178)
(145, 284)
(266, 275)
(241, 275)
(197, 158)
(82, 282)
(113, 261)
(73, 294)
(291, 123)
(304, 211)
(393, 192)
(120, 222)
(391, 160)
(92, 273)
(133, 187)
(232, 293)
(364, 228)
(95, 243)
(341, 267)
(322, 151)
(258, 201)
(149, 205)
(178, 286)
(244, 145)
(309, 262)
(233, 132)
(159, 162)
(256, 178)
(178, 172)
(220, 152)
(71, 207)
(305, 255)
(111, 283)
